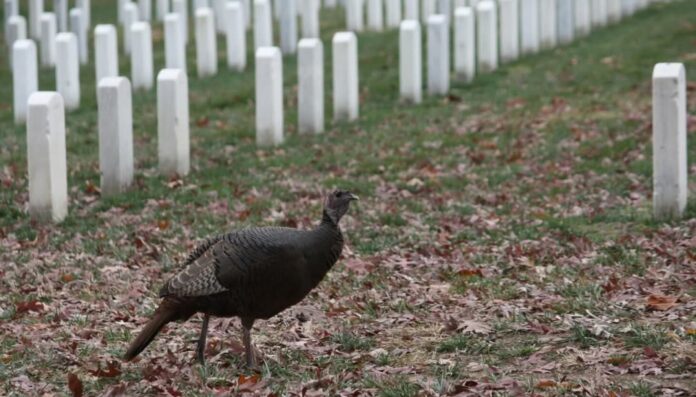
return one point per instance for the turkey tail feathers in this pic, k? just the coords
(162, 316)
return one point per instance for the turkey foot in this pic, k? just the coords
(200, 349)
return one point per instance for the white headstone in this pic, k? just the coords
(566, 25)
(142, 68)
(438, 55)
(263, 24)
(529, 26)
(180, 7)
(411, 10)
(375, 18)
(288, 26)
(355, 15)
(410, 61)
(206, 43)
(247, 12)
(79, 28)
(120, 7)
(174, 47)
(613, 10)
(105, 51)
(444, 7)
(219, 10)
(199, 4)
(269, 96)
(60, 8)
(16, 30)
(670, 172)
(310, 96)
(346, 99)
(509, 30)
(86, 8)
(599, 13)
(173, 122)
(547, 24)
(11, 8)
(487, 36)
(145, 10)
(48, 37)
(114, 101)
(310, 19)
(162, 9)
(236, 36)
(275, 8)
(582, 17)
(36, 8)
(428, 8)
(393, 13)
(25, 79)
(130, 16)
(46, 157)
(68, 69)
(465, 43)
(628, 7)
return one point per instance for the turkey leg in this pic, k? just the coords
(200, 349)
(250, 358)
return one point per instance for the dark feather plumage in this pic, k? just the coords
(252, 273)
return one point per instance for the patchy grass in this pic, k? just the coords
(503, 240)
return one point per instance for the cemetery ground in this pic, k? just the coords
(503, 243)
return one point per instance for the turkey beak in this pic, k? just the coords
(353, 197)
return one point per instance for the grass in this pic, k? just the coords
(521, 202)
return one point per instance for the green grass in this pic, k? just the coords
(538, 175)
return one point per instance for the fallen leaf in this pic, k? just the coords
(649, 352)
(475, 327)
(358, 266)
(545, 384)
(112, 370)
(470, 272)
(661, 302)
(29, 306)
(75, 385)
(163, 224)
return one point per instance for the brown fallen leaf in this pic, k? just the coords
(75, 385)
(29, 306)
(112, 370)
(163, 224)
(470, 272)
(661, 302)
(545, 384)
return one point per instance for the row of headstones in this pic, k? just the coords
(598, 12)
(310, 70)
(490, 33)
(138, 43)
(46, 148)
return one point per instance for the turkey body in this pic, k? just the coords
(252, 273)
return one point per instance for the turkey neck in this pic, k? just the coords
(323, 248)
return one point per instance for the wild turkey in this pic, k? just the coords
(252, 273)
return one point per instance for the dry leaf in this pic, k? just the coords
(545, 384)
(75, 385)
(661, 302)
